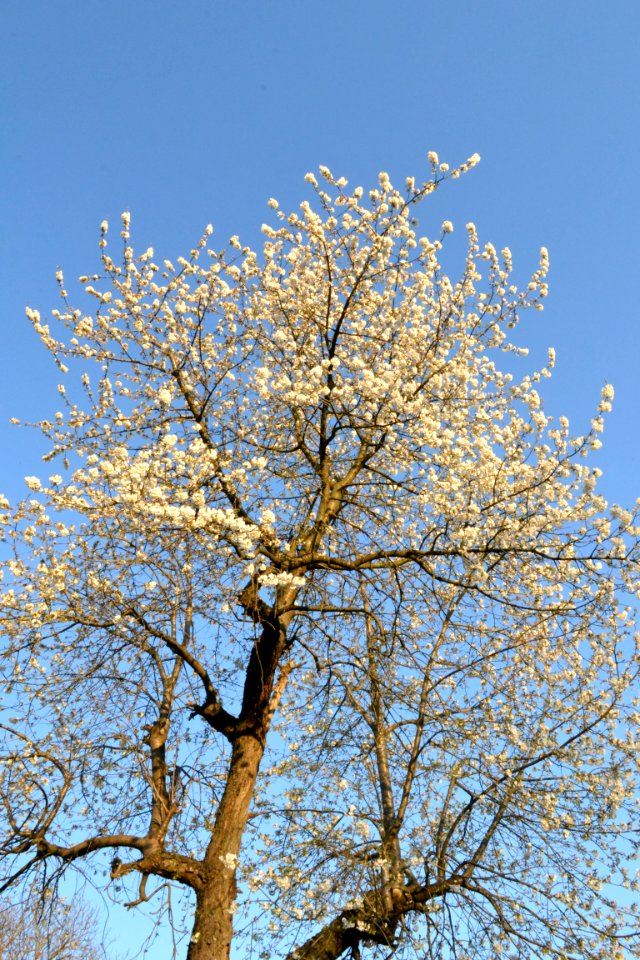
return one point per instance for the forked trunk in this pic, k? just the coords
(216, 894)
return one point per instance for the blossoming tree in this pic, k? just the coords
(319, 616)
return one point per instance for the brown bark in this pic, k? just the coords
(213, 922)
(376, 921)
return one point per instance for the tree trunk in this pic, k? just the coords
(215, 898)
(213, 924)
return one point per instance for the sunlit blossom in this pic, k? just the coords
(321, 616)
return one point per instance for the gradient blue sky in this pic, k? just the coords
(197, 111)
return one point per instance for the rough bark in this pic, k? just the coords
(375, 922)
(213, 922)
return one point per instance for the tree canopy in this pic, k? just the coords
(318, 615)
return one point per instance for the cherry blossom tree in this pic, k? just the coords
(315, 614)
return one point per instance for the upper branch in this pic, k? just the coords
(212, 710)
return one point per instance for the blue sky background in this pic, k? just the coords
(197, 111)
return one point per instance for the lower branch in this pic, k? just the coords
(153, 858)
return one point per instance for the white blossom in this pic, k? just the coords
(318, 593)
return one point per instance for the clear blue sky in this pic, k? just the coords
(197, 111)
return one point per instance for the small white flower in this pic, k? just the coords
(267, 518)
(447, 227)
(607, 392)
(432, 157)
(33, 483)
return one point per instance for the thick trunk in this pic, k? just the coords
(213, 924)
(215, 896)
